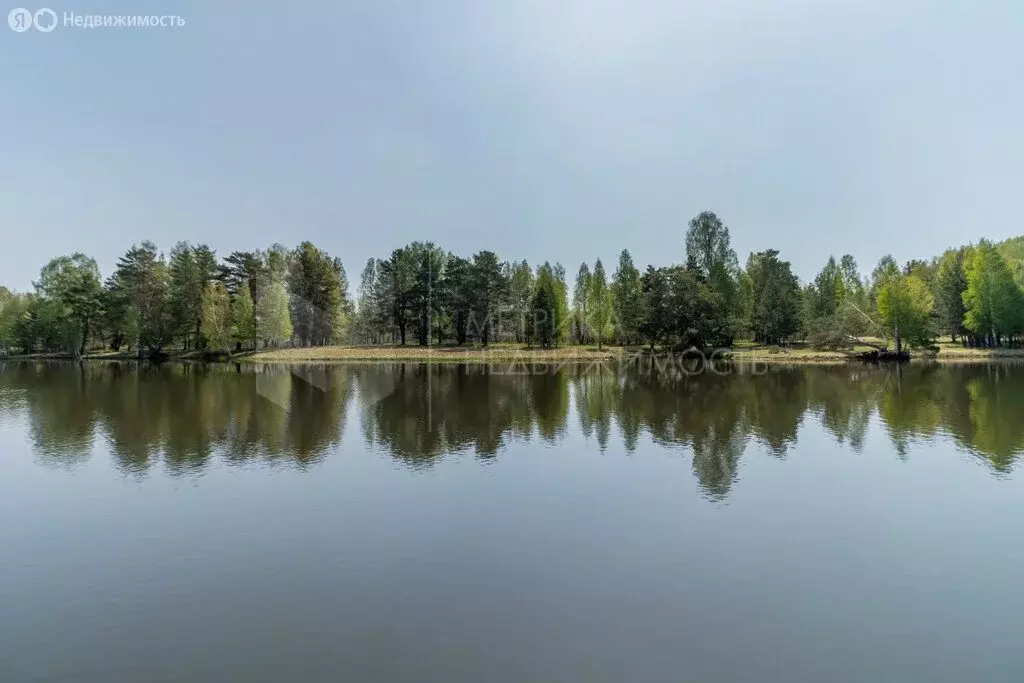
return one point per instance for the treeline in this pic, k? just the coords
(193, 301)
(189, 300)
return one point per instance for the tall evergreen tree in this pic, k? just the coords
(248, 268)
(368, 319)
(315, 295)
(139, 293)
(627, 298)
(398, 282)
(458, 289)
(580, 312)
(561, 293)
(656, 325)
(490, 290)
(521, 287)
(185, 293)
(777, 298)
(599, 304)
(427, 296)
(949, 286)
(710, 255)
(544, 323)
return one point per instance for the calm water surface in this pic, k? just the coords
(402, 523)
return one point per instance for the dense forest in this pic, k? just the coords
(190, 300)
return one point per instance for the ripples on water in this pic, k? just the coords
(188, 417)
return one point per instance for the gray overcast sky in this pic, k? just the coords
(557, 130)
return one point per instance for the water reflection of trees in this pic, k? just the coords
(421, 412)
(186, 415)
(179, 414)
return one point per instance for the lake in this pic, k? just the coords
(478, 523)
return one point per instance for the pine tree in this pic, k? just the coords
(627, 299)
(949, 287)
(521, 298)
(580, 313)
(599, 304)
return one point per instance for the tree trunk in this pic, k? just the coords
(85, 336)
(898, 339)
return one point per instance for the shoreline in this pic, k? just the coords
(508, 354)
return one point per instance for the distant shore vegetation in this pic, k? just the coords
(191, 301)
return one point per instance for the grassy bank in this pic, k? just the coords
(495, 353)
(509, 353)
(742, 352)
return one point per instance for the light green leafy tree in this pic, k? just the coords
(243, 316)
(904, 304)
(272, 314)
(70, 287)
(992, 301)
(215, 317)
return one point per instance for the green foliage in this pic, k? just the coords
(599, 304)
(458, 288)
(709, 254)
(544, 324)
(248, 268)
(243, 316)
(1012, 250)
(521, 286)
(836, 306)
(489, 292)
(949, 286)
(398, 282)
(272, 313)
(215, 317)
(580, 298)
(904, 305)
(678, 308)
(318, 303)
(627, 299)
(138, 298)
(827, 293)
(993, 303)
(369, 317)
(277, 295)
(777, 299)
(190, 269)
(708, 249)
(16, 329)
(71, 298)
(561, 292)
(426, 296)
